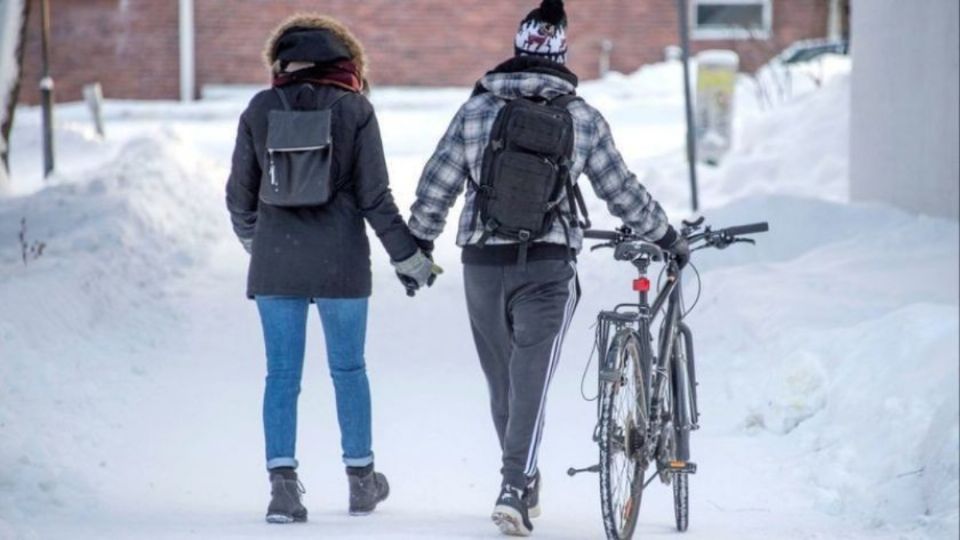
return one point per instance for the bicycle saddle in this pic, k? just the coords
(633, 250)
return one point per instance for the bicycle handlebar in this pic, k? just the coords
(719, 238)
(601, 235)
(752, 228)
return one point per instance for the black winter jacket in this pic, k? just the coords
(317, 252)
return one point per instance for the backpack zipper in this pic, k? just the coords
(273, 171)
(300, 149)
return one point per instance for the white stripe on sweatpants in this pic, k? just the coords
(568, 311)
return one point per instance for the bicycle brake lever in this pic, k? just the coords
(690, 227)
(604, 245)
(746, 240)
(721, 242)
(695, 224)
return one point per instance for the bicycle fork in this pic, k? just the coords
(675, 406)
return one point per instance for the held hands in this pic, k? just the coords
(417, 271)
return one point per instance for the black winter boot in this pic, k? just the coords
(367, 489)
(285, 491)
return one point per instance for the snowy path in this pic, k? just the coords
(131, 372)
(184, 457)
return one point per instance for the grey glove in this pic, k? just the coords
(417, 270)
(247, 244)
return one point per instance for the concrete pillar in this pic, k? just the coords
(905, 110)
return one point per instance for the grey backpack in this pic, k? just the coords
(299, 154)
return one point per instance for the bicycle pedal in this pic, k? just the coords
(682, 467)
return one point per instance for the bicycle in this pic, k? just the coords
(647, 403)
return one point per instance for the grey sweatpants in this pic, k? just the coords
(519, 316)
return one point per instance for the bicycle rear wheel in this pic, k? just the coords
(623, 423)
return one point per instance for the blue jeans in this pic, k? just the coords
(284, 322)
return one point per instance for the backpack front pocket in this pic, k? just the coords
(538, 131)
(298, 161)
(522, 190)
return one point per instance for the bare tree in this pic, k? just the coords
(14, 15)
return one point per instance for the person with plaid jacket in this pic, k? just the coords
(519, 313)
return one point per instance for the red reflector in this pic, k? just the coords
(641, 285)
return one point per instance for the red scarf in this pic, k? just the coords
(343, 74)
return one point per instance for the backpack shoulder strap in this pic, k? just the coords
(337, 100)
(564, 100)
(283, 98)
(574, 195)
(319, 105)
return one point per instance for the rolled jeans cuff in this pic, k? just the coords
(276, 463)
(358, 462)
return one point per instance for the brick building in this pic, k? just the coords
(133, 47)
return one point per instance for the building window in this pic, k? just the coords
(731, 19)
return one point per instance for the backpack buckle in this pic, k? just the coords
(524, 235)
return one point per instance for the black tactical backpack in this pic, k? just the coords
(299, 154)
(526, 172)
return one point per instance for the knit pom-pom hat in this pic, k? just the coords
(543, 33)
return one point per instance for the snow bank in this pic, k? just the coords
(848, 344)
(113, 240)
(800, 149)
(848, 349)
(11, 23)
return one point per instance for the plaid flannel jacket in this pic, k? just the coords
(459, 157)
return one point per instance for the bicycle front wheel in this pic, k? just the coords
(682, 411)
(681, 501)
(622, 428)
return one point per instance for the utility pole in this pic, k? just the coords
(46, 89)
(691, 124)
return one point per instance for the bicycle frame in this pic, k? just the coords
(647, 399)
(669, 368)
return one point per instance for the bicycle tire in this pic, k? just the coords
(682, 441)
(628, 354)
(681, 501)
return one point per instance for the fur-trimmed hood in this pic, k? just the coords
(309, 21)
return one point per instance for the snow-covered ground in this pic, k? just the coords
(131, 364)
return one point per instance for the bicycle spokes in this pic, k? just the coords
(621, 428)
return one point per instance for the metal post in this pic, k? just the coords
(187, 51)
(46, 89)
(93, 95)
(606, 50)
(691, 124)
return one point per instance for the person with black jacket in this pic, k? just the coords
(318, 253)
(522, 290)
